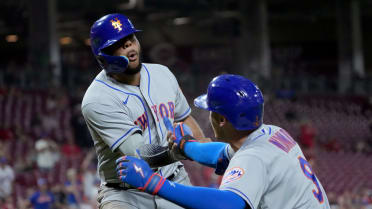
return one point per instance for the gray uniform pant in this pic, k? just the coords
(110, 198)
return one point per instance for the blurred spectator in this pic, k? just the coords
(24, 162)
(307, 134)
(361, 147)
(5, 133)
(91, 179)
(59, 196)
(47, 154)
(307, 137)
(43, 198)
(366, 198)
(364, 145)
(70, 149)
(81, 132)
(6, 179)
(358, 199)
(49, 123)
(23, 155)
(23, 202)
(332, 198)
(4, 149)
(7, 203)
(73, 189)
(344, 201)
(333, 145)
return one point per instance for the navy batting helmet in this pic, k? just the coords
(236, 98)
(104, 33)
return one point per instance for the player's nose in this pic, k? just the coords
(127, 44)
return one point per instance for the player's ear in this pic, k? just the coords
(222, 120)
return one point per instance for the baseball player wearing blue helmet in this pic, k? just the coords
(108, 31)
(262, 166)
(128, 108)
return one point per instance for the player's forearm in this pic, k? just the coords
(205, 153)
(195, 128)
(200, 197)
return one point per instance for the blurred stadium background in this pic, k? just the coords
(312, 59)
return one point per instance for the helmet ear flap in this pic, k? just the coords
(101, 61)
(112, 64)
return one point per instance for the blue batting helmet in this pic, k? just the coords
(105, 32)
(236, 98)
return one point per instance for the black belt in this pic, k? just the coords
(120, 186)
(126, 186)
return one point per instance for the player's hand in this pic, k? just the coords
(138, 174)
(180, 130)
(177, 146)
(174, 153)
(175, 133)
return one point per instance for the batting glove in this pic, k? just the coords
(181, 130)
(137, 173)
(181, 133)
(178, 129)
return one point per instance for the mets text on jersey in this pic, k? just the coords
(162, 110)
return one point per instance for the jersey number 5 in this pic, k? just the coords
(306, 168)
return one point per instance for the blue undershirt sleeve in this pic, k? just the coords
(201, 197)
(207, 154)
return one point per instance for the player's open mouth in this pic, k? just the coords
(132, 56)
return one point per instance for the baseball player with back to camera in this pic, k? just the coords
(125, 108)
(263, 166)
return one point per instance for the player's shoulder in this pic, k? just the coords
(98, 92)
(257, 142)
(158, 69)
(155, 66)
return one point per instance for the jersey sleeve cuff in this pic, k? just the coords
(120, 140)
(241, 194)
(183, 116)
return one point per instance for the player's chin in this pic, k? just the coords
(133, 68)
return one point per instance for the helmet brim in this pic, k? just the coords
(201, 102)
(114, 40)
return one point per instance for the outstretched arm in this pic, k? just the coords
(213, 154)
(137, 173)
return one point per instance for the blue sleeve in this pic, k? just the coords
(52, 197)
(207, 154)
(33, 198)
(201, 197)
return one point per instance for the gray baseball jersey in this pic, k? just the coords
(270, 171)
(113, 111)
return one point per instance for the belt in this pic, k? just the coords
(125, 186)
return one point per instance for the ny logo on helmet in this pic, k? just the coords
(117, 24)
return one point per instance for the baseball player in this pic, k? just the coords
(124, 109)
(267, 170)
